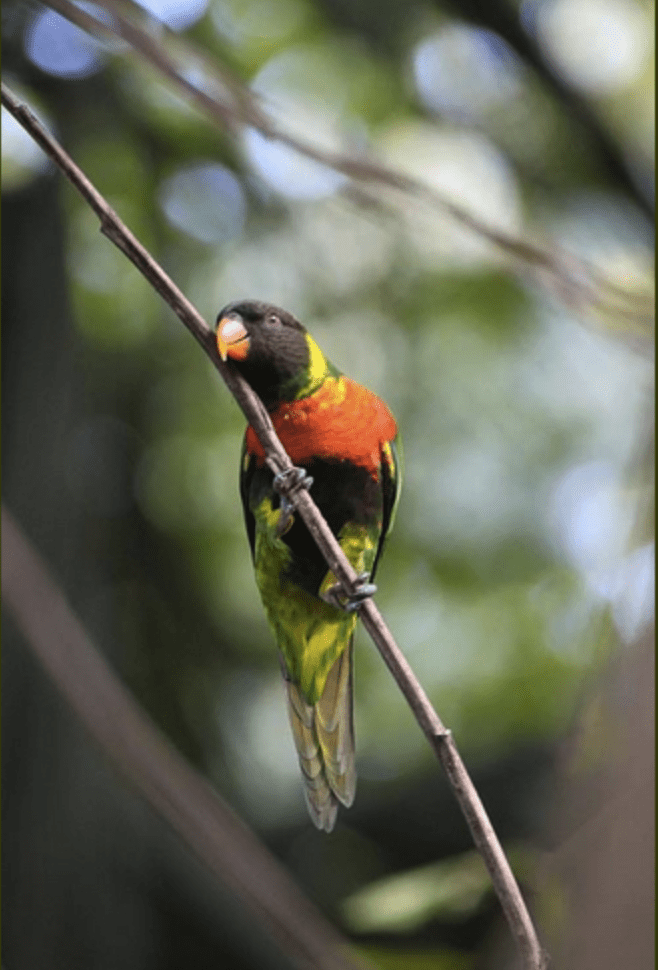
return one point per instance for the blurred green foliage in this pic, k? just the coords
(504, 580)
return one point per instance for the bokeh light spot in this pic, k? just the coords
(206, 201)
(289, 172)
(58, 47)
(464, 71)
(176, 14)
(599, 45)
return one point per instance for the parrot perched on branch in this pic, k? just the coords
(344, 441)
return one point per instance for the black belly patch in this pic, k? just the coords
(344, 493)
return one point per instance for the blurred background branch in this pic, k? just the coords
(153, 766)
(220, 94)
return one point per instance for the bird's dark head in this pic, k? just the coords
(272, 351)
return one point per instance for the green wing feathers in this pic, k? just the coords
(324, 738)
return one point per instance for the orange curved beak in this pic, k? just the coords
(232, 339)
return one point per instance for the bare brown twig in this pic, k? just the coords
(440, 739)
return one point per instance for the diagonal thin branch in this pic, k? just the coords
(574, 280)
(160, 773)
(439, 738)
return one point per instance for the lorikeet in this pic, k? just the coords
(345, 439)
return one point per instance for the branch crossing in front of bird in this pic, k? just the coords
(287, 483)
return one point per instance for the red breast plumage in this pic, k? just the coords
(342, 421)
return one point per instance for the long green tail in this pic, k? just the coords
(324, 738)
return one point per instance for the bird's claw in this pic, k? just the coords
(348, 602)
(291, 480)
(286, 483)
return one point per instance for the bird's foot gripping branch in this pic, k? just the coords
(287, 483)
(350, 600)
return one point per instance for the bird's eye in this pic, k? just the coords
(272, 320)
